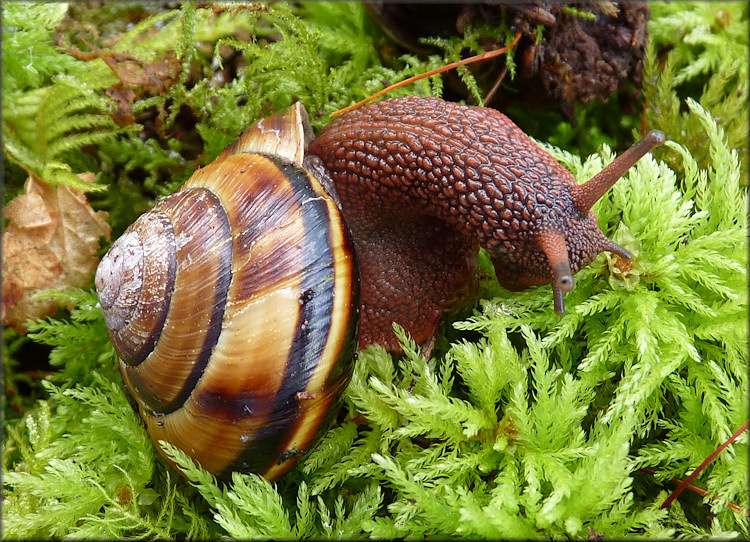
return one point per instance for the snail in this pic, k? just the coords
(232, 306)
(423, 182)
(244, 376)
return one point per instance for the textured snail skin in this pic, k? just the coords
(423, 182)
(233, 308)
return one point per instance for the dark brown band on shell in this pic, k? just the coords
(319, 292)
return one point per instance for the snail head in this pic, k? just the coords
(556, 251)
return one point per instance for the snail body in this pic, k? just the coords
(232, 305)
(447, 178)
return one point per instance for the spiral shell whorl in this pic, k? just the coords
(134, 296)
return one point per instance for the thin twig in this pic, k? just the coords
(687, 481)
(496, 86)
(476, 58)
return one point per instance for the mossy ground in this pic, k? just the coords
(522, 424)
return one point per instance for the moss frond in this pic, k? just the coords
(707, 58)
(30, 58)
(713, 34)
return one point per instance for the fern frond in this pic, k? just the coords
(30, 58)
(48, 114)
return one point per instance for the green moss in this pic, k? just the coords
(698, 50)
(523, 423)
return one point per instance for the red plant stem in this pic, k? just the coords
(699, 490)
(687, 481)
(470, 60)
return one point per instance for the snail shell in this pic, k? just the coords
(233, 304)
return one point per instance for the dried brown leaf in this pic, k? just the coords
(49, 244)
